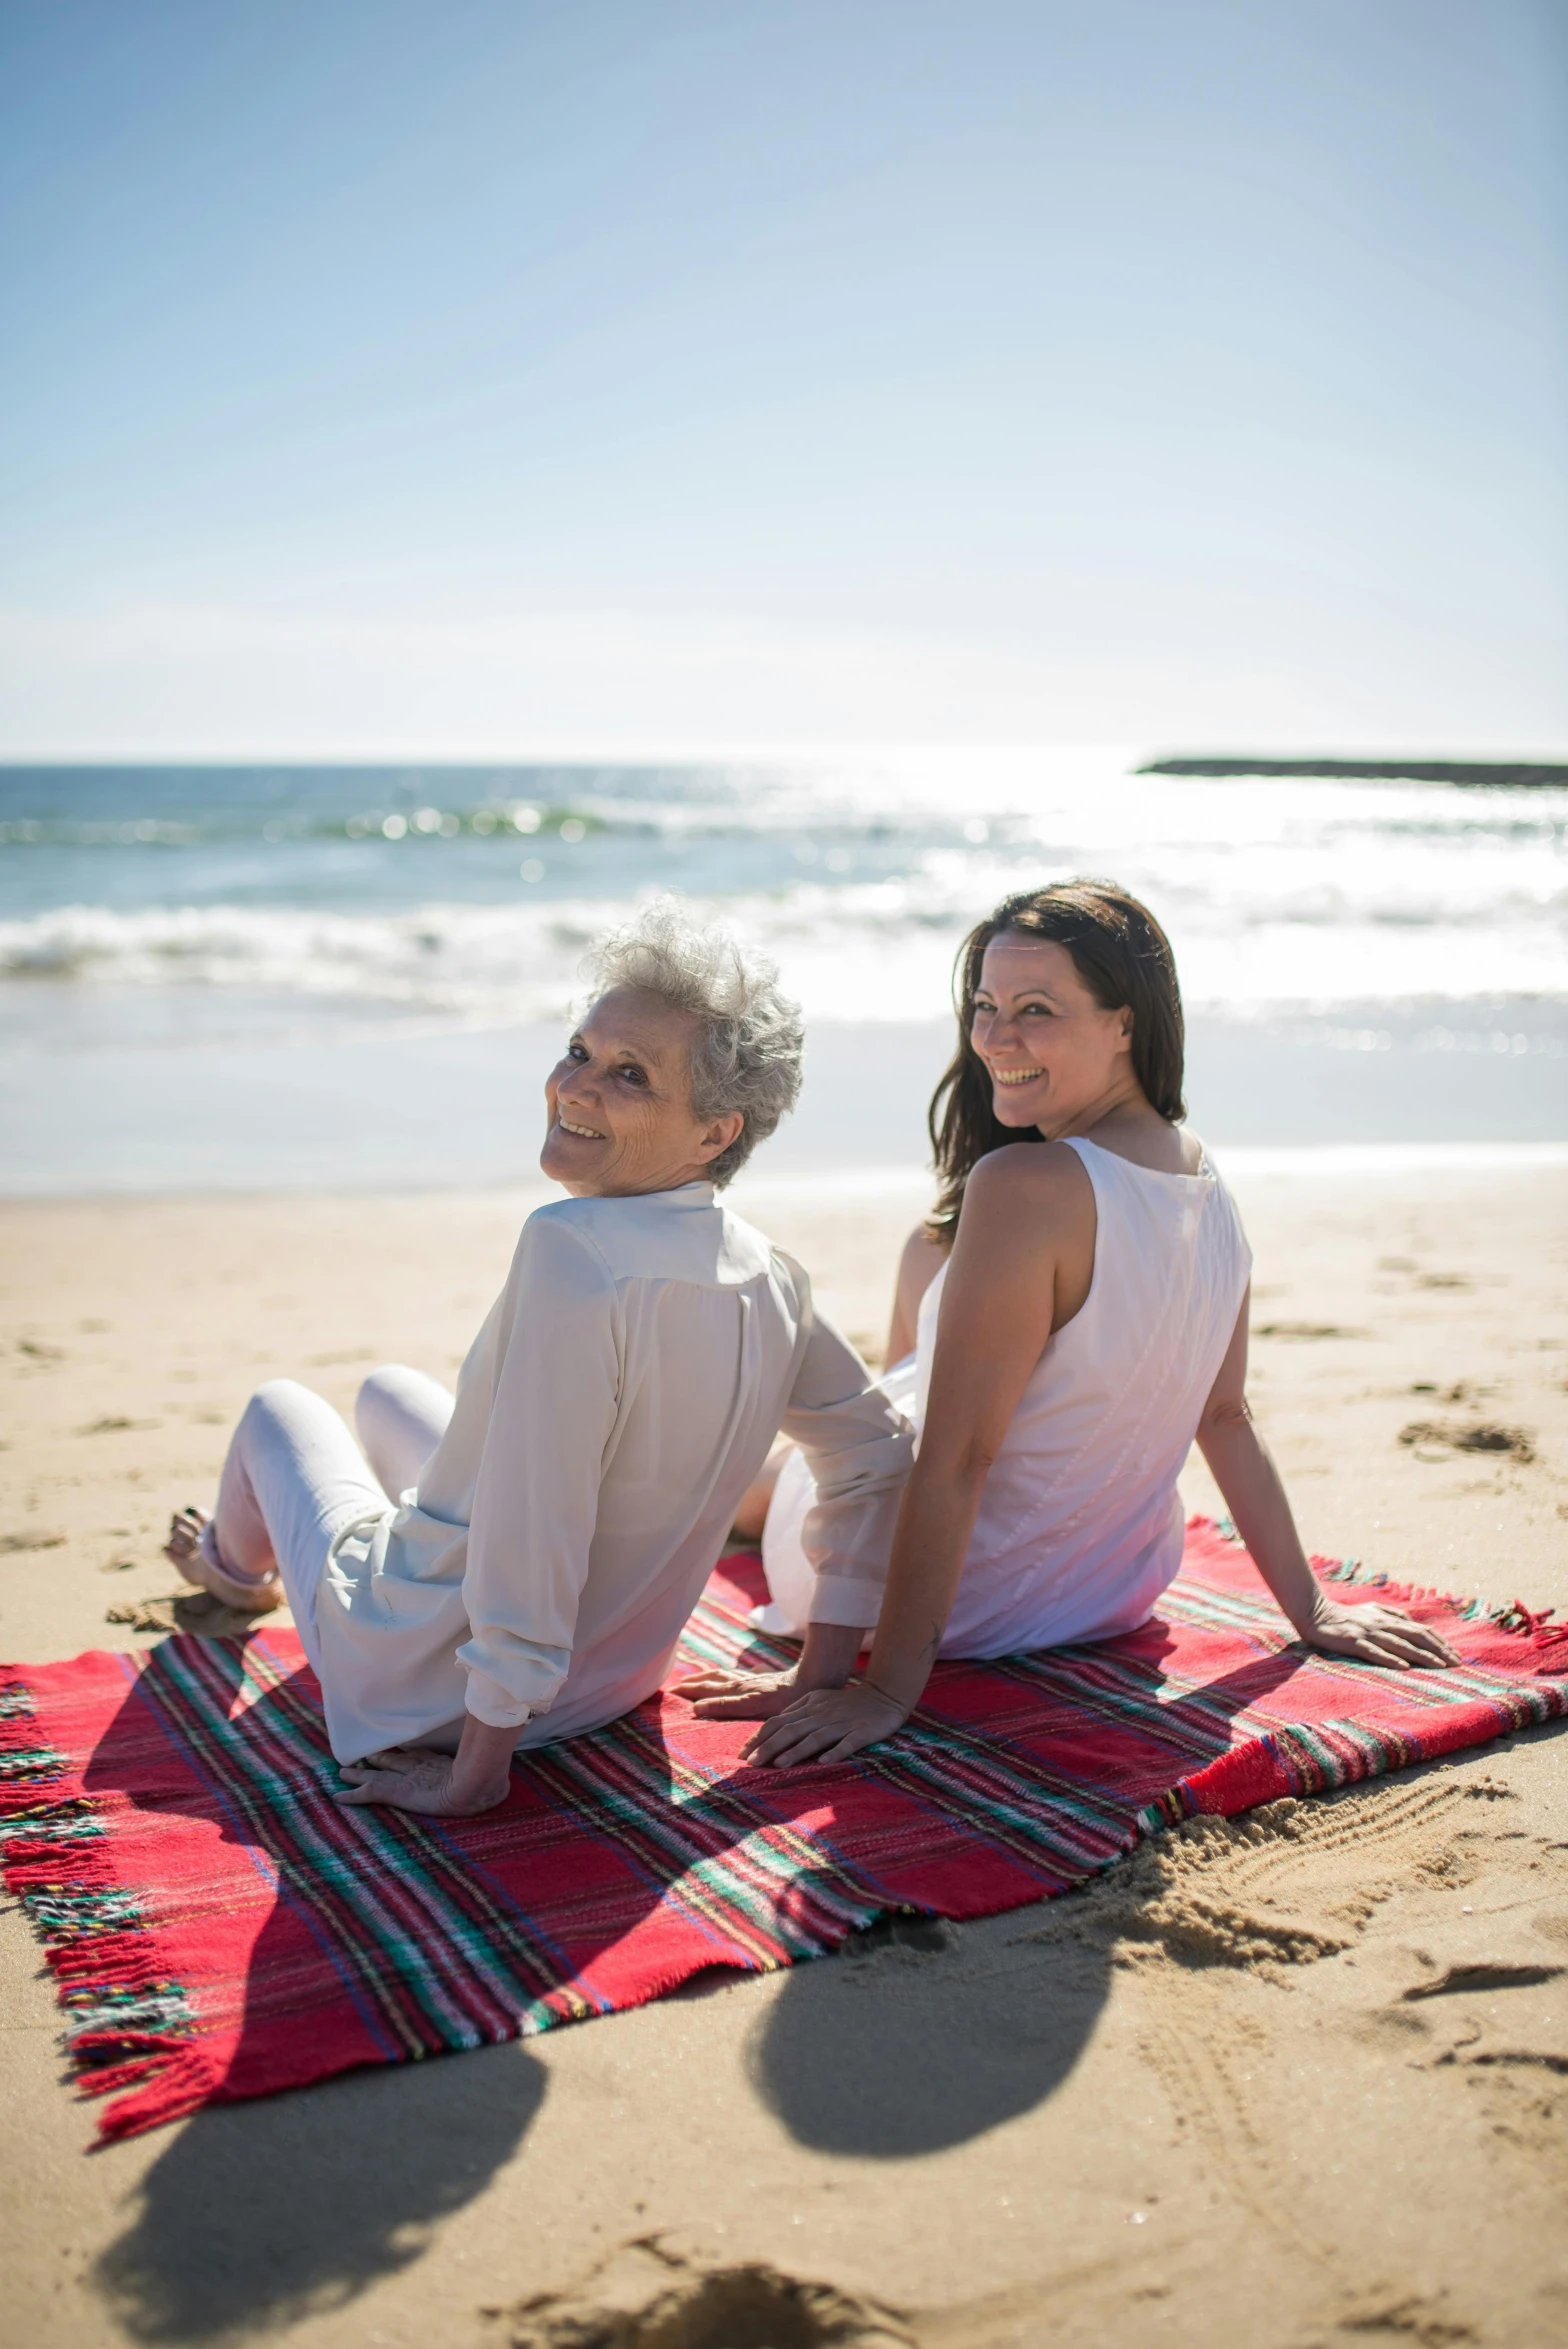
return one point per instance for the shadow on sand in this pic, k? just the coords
(256, 2215)
(921, 2035)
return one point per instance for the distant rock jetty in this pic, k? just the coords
(1472, 771)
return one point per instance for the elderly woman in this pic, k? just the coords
(1077, 1310)
(521, 1562)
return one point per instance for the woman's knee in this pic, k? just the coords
(401, 1416)
(381, 1393)
(285, 1420)
(405, 1398)
(280, 1402)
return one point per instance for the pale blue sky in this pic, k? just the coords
(467, 376)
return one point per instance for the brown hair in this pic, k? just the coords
(1123, 957)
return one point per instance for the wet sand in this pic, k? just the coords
(1293, 2080)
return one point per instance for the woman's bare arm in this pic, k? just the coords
(1255, 1496)
(918, 1266)
(1027, 1216)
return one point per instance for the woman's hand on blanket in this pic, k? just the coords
(433, 1785)
(826, 1661)
(828, 1725)
(1377, 1635)
(739, 1696)
(406, 1777)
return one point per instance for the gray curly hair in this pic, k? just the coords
(746, 1053)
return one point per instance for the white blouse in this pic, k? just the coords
(1080, 1524)
(621, 1396)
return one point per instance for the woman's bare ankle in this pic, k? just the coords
(193, 1554)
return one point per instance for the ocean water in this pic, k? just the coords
(220, 977)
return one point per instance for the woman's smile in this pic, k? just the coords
(1015, 1076)
(588, 1133)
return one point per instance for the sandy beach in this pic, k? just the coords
(1296, 2080)
(555, 551)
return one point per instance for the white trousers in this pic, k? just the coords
(295, 1478)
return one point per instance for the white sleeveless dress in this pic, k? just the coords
(1080, 1524)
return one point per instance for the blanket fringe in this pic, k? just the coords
(125, 2024)
(173, 2084)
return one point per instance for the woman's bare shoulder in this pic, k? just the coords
(1031, 1184)
(1028, 1217)
(1027, 1169)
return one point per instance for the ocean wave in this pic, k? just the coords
(471, 895)
(465, 960)
(424, 826)
(874, 950)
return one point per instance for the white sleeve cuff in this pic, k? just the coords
(854, 1600)
(494, 1705)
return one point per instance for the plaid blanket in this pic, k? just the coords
(220, 1928)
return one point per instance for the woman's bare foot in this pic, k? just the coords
(247, 1594)
(184, 1542)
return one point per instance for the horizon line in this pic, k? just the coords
(587, 752)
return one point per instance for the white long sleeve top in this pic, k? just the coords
(621, 1396)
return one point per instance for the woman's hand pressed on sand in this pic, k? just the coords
(437, 1786)
(1376, 1635)
(827, 1726)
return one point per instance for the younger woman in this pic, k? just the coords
(1079, 1307)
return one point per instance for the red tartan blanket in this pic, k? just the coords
(220, 1928)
